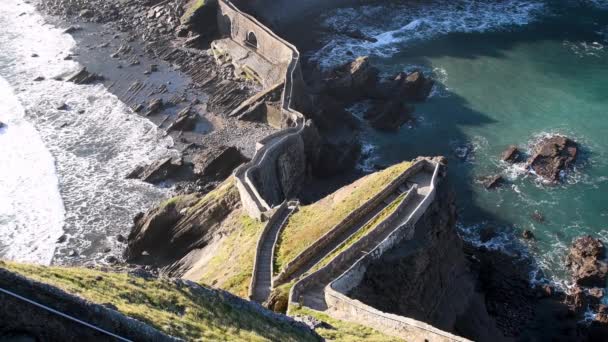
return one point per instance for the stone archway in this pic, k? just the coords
(252, 40)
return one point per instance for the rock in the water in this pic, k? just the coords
(553, 155)
(62, 238)
(357, 34)
(62, 106)
(390, 116)
(39, 78)
(186, 120)
(2, 124)
(511, 155)
(585, 262)
(217, 164)
(538, 216)
(492, 182)
(528, 235)
(82, 76)
(156, 172)
(351, 80)
(415, 86)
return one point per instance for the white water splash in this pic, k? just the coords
(417, 21)
(31, 210)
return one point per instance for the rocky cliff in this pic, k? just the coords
(428, 277)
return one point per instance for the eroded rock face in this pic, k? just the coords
(82, 76)
(585, 262)
(553, 155)
(218, 163)
(156, 172)
(180, 225)
(353, 79)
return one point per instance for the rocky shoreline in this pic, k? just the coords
(159, 63)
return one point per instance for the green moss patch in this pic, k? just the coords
(176, 310)
(313, 221)
(231, 267)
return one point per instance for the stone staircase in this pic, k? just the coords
(264, 258)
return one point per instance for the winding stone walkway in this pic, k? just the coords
(264, 259)
(314, 296)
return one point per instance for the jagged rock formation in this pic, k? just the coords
(585, 260)
(553, 155)
(180, 225)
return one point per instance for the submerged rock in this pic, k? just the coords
(492, 182)
(528, 235)
(553, 155)
(585, 262)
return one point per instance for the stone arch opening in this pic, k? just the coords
(252, 40)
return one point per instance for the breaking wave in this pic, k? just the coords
(417, 21)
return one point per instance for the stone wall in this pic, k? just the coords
(279, 166)
(350, 220)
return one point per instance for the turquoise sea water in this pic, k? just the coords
(508, 72)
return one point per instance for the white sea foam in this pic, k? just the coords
(418, 21)
(31, 210)
(93, 150)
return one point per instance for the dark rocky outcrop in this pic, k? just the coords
(390, 115)
(528, 235)
(337, 156)
(352, 80)
(186, 120)
(511, 155)
(2, 124)
(217, 164)
(553, 155)
(158, 171)
(585, 262)
(412, 87)
(180, 225)
(82, 76)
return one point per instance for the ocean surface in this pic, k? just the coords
(507, 72)
(62, 171)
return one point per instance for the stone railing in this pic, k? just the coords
(344, 307)
(254, 196)
(350, 220)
